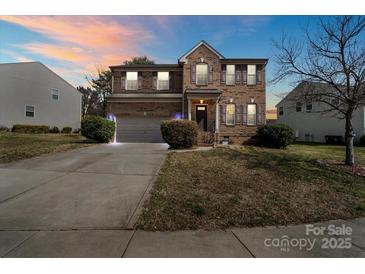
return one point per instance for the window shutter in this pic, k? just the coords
(122, 83)
(244, 74)
(210, 74)
(171, 81)
(222, 111)
(260, 114)
(244, 116)
(154, 81)
(140, 79)
(259, 73)
(238, 74)
(193, 73)
(223, 74)
(238, 114)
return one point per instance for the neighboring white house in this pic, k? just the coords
(309, 121)
(31, 93)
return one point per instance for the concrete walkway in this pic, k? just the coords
(82, 203)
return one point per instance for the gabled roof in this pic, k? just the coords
(202, 42)
(38, 63)
(302, 87)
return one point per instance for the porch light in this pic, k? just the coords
(201, 102)
(252, 100)
(231, 100)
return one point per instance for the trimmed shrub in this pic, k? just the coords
(97, 128)
(30, 128)
(179, 133)
(66, 130)
(76, 131)
(54, 130)
(275, 136)
(361, 141)
(4, 128)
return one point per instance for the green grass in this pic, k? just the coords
(251, 186)
(325, 152)
(17, 146)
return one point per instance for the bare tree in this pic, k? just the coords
(334, 57)
(89, 102)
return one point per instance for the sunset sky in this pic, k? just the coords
(73, 46)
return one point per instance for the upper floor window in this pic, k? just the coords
(55, 94)
(308, 107)
(251, 114)
(230, 114)
(230, 75)
(281, 111)
(163, 80)
(298, 107)
(132, 80)
(201, 74)
(251, 74)
(29, 111)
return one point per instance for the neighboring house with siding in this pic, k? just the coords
(311, 120)
(30, 93)
(225, 96)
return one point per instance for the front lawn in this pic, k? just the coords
(17, 146)
(251, 186)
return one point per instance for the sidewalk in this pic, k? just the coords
(290, 241)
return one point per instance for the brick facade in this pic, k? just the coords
(145, 109)
(239, 94)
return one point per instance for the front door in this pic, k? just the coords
(201, 117)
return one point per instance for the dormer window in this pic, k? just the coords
(202, 74)
(163, 80)
(230, 75)
(132, 80)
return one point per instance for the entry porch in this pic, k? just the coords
(203, 107)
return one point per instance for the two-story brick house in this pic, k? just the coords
(225, 96)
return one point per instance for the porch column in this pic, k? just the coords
(189, 109)
(216, 116)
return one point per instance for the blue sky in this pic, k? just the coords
(74, 46)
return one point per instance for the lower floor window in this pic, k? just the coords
(251, 114)
(29, 111)
(230, 113)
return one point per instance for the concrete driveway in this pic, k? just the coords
(96, 189)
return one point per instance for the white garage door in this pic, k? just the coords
(139, 129)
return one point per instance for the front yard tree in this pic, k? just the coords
(102, 84)
(333, 55)
(89, 101)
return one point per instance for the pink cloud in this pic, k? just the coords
(83, 42)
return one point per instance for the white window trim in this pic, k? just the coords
(249, 84)
(234, 75)
(25, 111)
(168, 80)
(196, 74)
(126, 80)
(234, 114)
(58, 94)
(250, 124)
